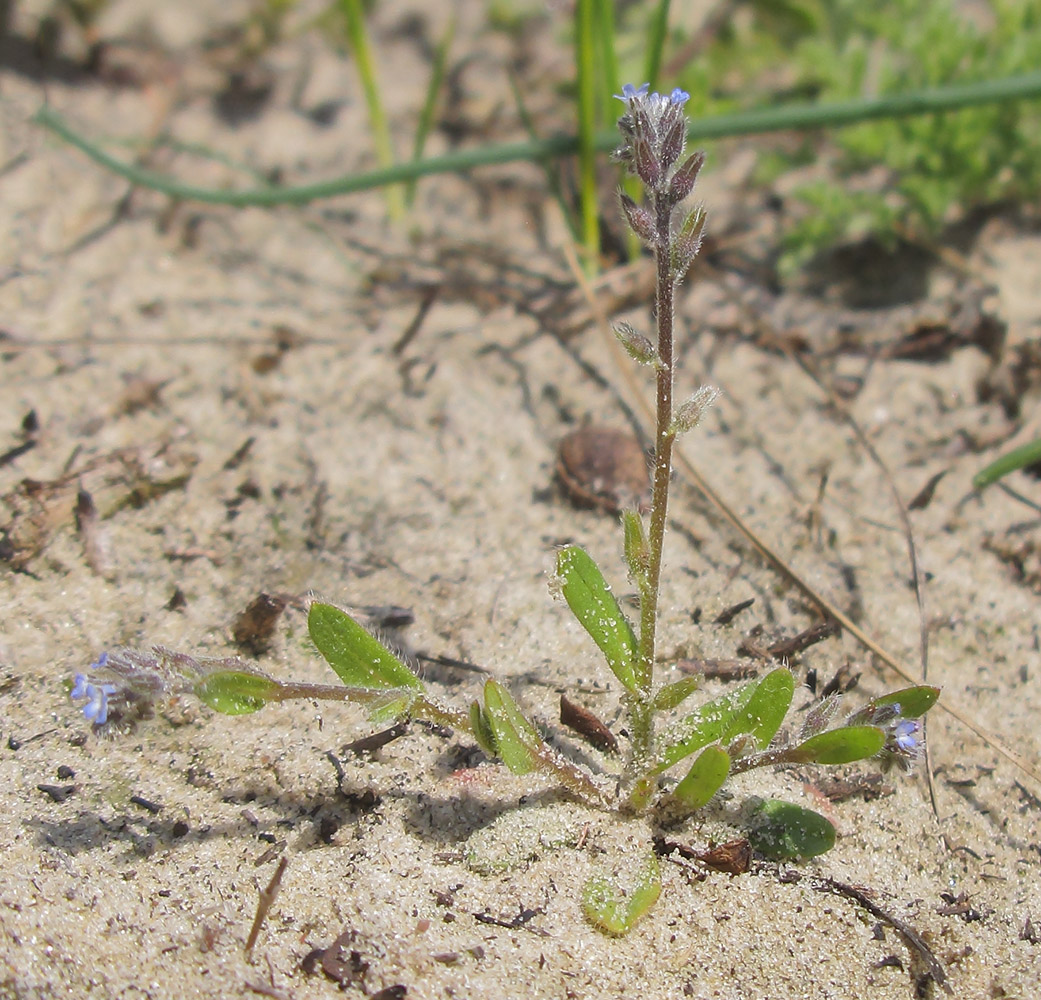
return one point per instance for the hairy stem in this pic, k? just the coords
(641, 722)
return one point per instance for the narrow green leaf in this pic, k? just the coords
(784, 830)
(762, 714)
(840, 746)
(637, 551)
(1026, 454)
(705, 725)
(392, 710)
(593, 604)
(614, 907)
(481, 730)
(516, 740)
(913, 701)
(705, 777)
(236, 692)
(358, 658)
(426, 116)
(675, 693)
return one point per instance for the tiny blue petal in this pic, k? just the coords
(97, 695)
(904, 735)
(631, 92)
(679, 97)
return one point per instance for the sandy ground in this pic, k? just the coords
(423, 479)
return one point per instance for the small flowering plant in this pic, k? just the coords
(670, 769)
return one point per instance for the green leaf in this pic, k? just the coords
(515, 739)
(784, 830)
(358, 658)
(675, 693)
(1018, 458)
(705, 777)
(637, 551)
(392, 710)
(614, 907)
(236, 692)
(764, 711)
(840, 746)
(482, 731)
(593, 604)
(913, 701)
(705, 725)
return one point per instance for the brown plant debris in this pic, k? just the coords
(255, 626)
(127, 477)
(604, 468)
(587, 725)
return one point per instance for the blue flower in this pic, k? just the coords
(632, 93)
(679, 97)
(904, 736)
(97, 695)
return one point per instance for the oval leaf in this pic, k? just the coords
(358, 657)
(913, 701)
(516, 740)
(236, 692)
(675, 693)
(614, 907)
(705, 777)
(764, 711)
(840, 746)
(705, 725)
(593, 604)
(784, 830)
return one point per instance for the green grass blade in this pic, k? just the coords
(426, 116)
(656, 34)
(1018, 458)
(585, 63)
(795, 117)
(358, 657)
(358, 37)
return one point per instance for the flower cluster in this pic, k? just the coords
(654, 134)
(904, 742)
(97, 695)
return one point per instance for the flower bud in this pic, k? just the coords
(640, 220)
(636, 345)
(673, 141)
(682, 182)
(688, 241)
(691, 412)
